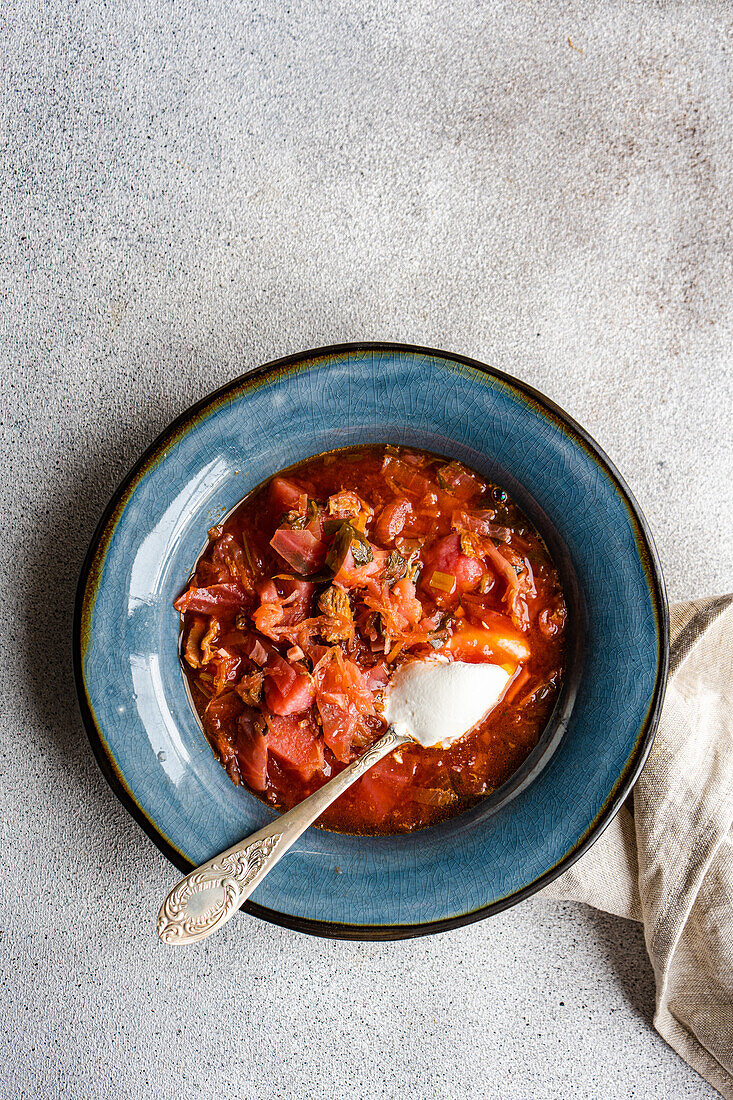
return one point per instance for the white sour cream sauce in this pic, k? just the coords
(436, 702)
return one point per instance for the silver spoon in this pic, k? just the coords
(207, 897)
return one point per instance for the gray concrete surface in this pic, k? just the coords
(190, 189)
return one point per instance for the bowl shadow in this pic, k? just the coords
(92, 470)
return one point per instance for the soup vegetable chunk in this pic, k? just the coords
(322, 583)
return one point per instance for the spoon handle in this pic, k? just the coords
(207, 897)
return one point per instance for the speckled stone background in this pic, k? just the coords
(191, 189)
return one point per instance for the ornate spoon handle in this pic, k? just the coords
(207, 897)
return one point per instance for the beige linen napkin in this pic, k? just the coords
(667, 857)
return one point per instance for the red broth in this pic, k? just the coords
(328, 577)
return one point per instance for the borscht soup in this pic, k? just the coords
(326, 579)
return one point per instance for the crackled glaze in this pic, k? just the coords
(131, 687)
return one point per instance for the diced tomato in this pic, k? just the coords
(280, 671)
(294, 742)
(284, 494)
(301, 549)
(317, 652)
(392, 519)
(224, 600)
(294, 699)
(481, 643)
(405, 601)
(251, 746)
(445, 557)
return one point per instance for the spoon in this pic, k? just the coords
(430, 703)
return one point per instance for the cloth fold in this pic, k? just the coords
(667, 857)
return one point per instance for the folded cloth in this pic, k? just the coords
(667, 857)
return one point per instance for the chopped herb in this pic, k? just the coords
(296, 521)
(413, 567)
(348, 538)
(339, 548)
(361, 551)
(396, 568)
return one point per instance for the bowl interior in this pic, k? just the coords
(137, 710)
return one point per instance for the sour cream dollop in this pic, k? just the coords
(436, 702)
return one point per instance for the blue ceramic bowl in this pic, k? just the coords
(151, 747)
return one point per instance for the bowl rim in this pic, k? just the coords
(624, 783)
